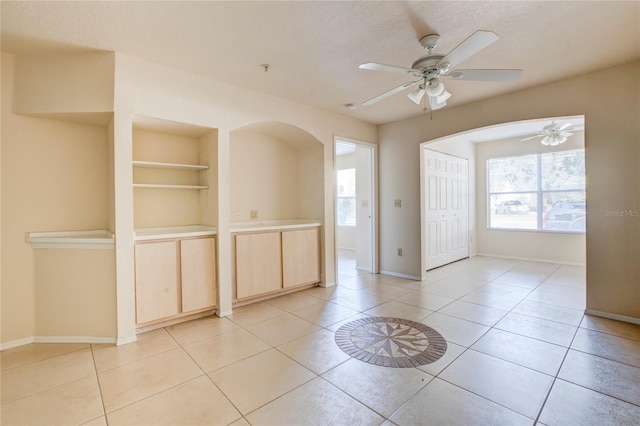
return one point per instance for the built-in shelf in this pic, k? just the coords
(162, 186)
(156, 165)
(96, 239)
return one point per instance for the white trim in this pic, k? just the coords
(396, 274)
(327, 284)
(532, 259)
(224, 313)
(15, 343)
(623, 318)
(55, 339)
(125, 340)
(73, 339)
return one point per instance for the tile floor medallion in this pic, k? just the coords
(391, 342)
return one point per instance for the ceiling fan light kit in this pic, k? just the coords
(429, 69)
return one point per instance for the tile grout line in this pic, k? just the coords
(95, 368)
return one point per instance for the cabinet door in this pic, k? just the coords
(258, 264)
(156, 281)
(198, 271)
(300, 257)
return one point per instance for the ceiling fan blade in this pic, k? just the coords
(390, 92)
(472, 45)
(486, 75)
(530, 137)
(389, 68)
(416, 95)
(561, 127)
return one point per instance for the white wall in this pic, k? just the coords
(544, 246)
(612, 144)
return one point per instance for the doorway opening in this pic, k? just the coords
(356, 208)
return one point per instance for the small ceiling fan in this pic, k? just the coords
(552, 134)
(429, 69)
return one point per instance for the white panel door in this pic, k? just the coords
(446, 208)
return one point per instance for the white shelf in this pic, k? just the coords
(97, 239)
(161, 186)
(156, 165)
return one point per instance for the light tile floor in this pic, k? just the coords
(520, 351)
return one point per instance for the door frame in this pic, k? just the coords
(373, 231)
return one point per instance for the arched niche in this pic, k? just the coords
(276, 172)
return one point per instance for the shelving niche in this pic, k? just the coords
(174, 174)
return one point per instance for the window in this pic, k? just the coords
(540, 192)
(346, 197)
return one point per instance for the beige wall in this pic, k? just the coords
(274, 177)
(89, 95)
(75, 293)
(612, 143)
(546, 246)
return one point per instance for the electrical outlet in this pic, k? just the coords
(397, 203)
(253, 214)
(399, 252)
(237, 214)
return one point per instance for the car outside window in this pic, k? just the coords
(539, 192)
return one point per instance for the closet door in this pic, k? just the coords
(446, 208)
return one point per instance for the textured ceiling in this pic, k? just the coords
(314, 48)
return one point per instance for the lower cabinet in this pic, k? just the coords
(300, 257)
(174, 278)
(258, 264)
(267, 262)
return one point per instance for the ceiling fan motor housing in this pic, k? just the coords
(430, 64)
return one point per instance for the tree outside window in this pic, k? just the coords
(542, 192)
(346, 199)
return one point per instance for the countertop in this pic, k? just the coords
(144, 234)
(273, 225)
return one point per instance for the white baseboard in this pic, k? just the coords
(224, 313)
(531, 259)
(616, 317)
(16, 343)
(56, 339)
(125, 340)
(396, 274)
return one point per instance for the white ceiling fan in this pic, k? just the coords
(552, 134)
(429, 69)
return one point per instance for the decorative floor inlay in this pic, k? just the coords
(391, 342)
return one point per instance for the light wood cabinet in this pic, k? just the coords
(174, 278)
(258, 264)
(300, 257)
(267, 262)
(198, 273)
(156, 281)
